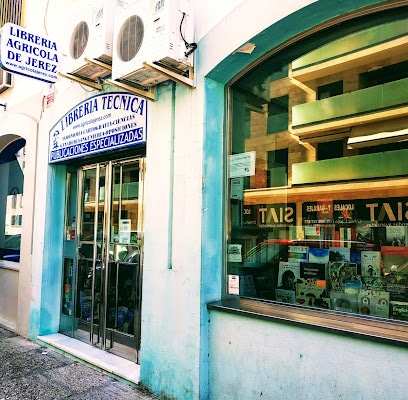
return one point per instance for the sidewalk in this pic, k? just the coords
(29, 371)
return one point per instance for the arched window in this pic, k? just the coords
(318, 178)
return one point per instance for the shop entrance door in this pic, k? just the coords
(108, 284)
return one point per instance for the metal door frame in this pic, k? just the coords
(101, 334)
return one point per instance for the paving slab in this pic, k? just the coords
(29, 371)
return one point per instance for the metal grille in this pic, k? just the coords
(79, 40)
(10, 11)
(131, 38)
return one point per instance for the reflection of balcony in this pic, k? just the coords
(368, 166)
(367, 105)
(367, 48)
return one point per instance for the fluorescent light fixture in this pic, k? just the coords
(378, 138)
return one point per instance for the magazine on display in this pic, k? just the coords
(397, 286)
(312, 270)
(371, 263)
(312, 293)
(298, 253)
(339, 254)
(289, 273)
(318, 255)
(372, 302)
(285, 296)
(395, 236)
(399, 310)
(353, 286)
(339, 273)
(344, 302)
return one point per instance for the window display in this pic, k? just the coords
(318, 206)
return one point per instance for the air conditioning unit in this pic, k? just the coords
(6, 80)
(90, 43)
(152, 32)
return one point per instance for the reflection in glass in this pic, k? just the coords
(319, 224)
(12, 164)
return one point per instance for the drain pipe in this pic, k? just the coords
(171, 169)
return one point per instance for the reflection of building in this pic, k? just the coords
(149, 252)
(14, 214)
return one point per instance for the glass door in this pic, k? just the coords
(108, 278)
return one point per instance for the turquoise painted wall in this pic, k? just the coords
(257, 359)
(45, 311)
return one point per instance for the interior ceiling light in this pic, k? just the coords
(247, 48)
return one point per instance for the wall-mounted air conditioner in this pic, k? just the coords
(152, 32)
(89, 48)
(6, 80)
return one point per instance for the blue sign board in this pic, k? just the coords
(104, 122)
(28, 54)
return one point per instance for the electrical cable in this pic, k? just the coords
(191, 46)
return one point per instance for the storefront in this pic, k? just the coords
(316, 206)
(101, 145)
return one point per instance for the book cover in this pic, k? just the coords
(285, 296)
(397, 286)
(289, 273)
(395, 235)
(318, 255)
(364, 232)
(312, 293)
(372, 283)
(339, 254)
(313, 271)
(394, 258)
(344, 302)
(371, 263)
(352, 286)
(298, 253)
(399, 310)
(339, 272)
(372, 302)
(326, 236)
(345, 237)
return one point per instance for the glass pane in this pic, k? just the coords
(12, 163)
(93, 206)
(124, 216)
(67, 299)
(86, 281)
(122, 296)
(318, 216)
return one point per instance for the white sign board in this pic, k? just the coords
(124, 230)
(242, 164)
(104, 122)
(28, 54)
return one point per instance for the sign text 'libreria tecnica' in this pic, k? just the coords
(104, 122)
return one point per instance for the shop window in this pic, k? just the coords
(330, 90)
(338, 245)
(11, 199)
(329, 150)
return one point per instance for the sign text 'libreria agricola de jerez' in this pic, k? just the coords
(104, 122)
(29, 54)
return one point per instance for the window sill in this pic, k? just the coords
(389, 331)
